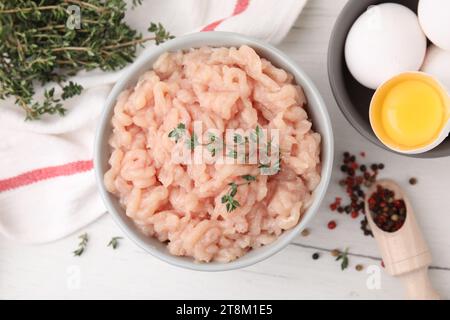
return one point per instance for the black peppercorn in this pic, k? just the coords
(315, 256)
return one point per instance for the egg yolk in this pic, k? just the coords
(412, 113)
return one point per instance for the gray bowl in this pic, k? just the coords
(352, 98)
(316, 109)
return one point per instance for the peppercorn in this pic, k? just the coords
(413, 181)
(335, 252)
(389, 214)
(357, 177)
(305, 232)
(331, 225)
(315, 256)
(359, 267)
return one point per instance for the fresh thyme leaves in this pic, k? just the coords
(114, 243)
(266, 167)
(37, 46)
(50, 105)
(228, 199)
(192, 142)
(256, 135)
(344, 257)
(233, 154)
(82, 245)
(249, 178)
(161, 34)
(136, 3)
(237, 138)
(70, 90)
(213, 145)
(178, 132)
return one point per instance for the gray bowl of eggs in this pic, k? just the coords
(389, 70)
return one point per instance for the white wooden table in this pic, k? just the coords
(50, 271)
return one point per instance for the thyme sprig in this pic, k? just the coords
(228, 199)
(344, 257)
(37, 46)
(82, 245)
(114, 242)
(178, 132)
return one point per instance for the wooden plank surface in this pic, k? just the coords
(50, 271)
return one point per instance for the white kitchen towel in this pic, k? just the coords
(47, 185)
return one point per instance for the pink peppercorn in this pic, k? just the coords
(331, 225)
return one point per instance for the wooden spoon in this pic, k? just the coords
(405, 253)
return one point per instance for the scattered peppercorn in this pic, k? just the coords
(382, 263)
(388, 213)
(357, 177)
(315, 256)
(331, 225)
(359, 267)
(413, 181)
(305, 232)
(381, 166)
(335, 252)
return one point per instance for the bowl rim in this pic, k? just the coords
(343, 98)
(182, 42)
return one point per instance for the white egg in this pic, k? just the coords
(384, 41)
(437, 63)
(434, 17)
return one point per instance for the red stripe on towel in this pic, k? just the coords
(37, 175)
(241, 6)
